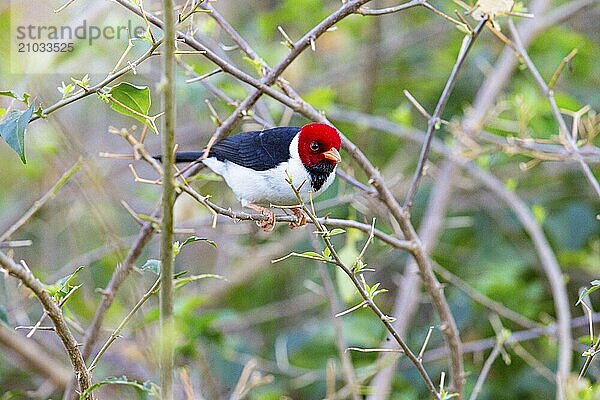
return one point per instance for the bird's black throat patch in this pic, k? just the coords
(319, 174)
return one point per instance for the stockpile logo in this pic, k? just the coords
(45, 41)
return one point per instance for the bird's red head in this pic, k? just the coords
(317, 143)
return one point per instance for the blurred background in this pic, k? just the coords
(280, 315)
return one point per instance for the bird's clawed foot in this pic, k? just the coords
(269, 223)
(300, 218)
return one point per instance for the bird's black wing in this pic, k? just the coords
(258, 150)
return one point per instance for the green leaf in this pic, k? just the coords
(336, 231)
(176, 249)
(326, 252)
(9, 93)
(152, 265)
(83, 82)
(12, 130)
(65, 90)
(312, 254)
(63, 286)
(586, 293)
(136, 100)
(539, 212)
(147, 389)
(188, 279)
(256, 63)
(4, 316)
(193, 239)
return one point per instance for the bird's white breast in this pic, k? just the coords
(270, 186)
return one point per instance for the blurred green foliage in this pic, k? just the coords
(221, 326)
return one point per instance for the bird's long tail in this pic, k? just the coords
(184, 156)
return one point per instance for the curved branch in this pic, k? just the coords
(55, 314)
(547, 258)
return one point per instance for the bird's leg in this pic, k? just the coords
(300, 218)
(268, 224)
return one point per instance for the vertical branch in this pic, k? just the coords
(168, 199)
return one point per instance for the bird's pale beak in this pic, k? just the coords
(333, 155)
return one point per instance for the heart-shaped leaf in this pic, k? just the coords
(133, 101)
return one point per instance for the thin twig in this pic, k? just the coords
(98, 87)
(433, 122)
(486, 368)
(115, 334)
(479, 345)
(549, 94)
(49, 195)
(367, 299)
(545, 253)
(389, 10)
(347, 368)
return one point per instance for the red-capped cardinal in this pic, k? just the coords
(254, 165)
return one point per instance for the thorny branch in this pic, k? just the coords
(23, 273)
(291, 99)
(322, 231)
(296, 103)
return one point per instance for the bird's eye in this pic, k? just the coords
(314, 146)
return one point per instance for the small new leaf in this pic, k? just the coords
(336, 231)
(63, 286)
(373, 291)
(152, 265)
(83, 82)
(10, 93)
(179, 282)
(256, 63)
(65, 90)
(358, 266)
(193, 239)
(586, 293)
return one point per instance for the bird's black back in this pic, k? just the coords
(258, 150)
